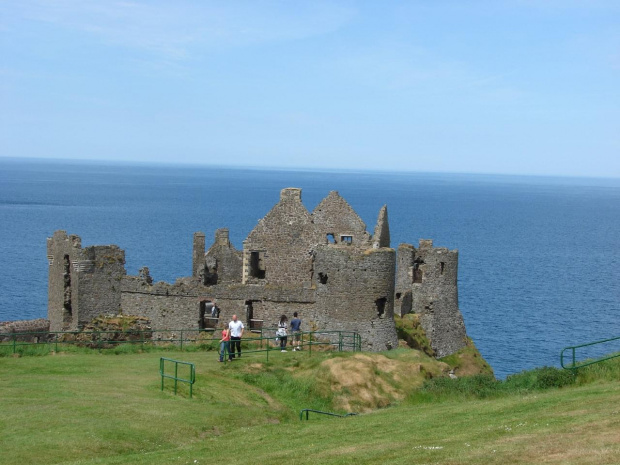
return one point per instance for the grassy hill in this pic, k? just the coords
(92, 408)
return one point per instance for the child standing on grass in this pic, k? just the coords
(224, 344)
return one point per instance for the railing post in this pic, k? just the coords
(181, 346)
(176, 377)
(161, 371)
(14, 342)
(192, 379)
(573, 364)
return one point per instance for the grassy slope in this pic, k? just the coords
(91, 408)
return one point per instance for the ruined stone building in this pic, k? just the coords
(322, 264)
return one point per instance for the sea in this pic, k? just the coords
(539, 257)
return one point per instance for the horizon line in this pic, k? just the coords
(306, 169)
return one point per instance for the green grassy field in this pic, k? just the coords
(91, 408)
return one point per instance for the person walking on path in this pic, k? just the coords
(224, 344)
(236, 333)
(296, 328)
(281, 332)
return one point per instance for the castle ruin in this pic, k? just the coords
(324, 265)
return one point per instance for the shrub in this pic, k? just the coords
(539, 378)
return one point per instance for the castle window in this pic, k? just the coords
(257, 265)
(67, 314)
(418, 273)
(330, 238)
(380, 303)
(346, 239)
(443, 266)
(323, 278)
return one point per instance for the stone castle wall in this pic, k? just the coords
(323, 265)
(86, 279)
(355, 290)
(38, 327)
(429, 277)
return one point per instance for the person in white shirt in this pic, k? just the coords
(236, 333)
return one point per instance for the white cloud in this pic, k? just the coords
(179, 29)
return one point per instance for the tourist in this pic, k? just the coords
(236, 333)
(224, 344)
(215, 311)
(296, 328)
(281, 332)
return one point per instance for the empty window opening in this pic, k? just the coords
(257, 265)
(380, 303)
(398, 294)
(418, 274)
(331, 239)
(323, 278)
(442, 266)
(346, 239)
(67, 314)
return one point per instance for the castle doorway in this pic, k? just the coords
(255, 324)
(205, 321)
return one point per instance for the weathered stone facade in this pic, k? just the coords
(324, 265)
(82, 282)
(37, 329)
(426, 284)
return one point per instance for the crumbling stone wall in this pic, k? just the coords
(356, 293)
(431, 272)
(83, 283)
(335, 220)
(404, 264)
(39, 329)
(281, 244)
(223, 263)
(381, 236)
(287, 265)
(198, 254)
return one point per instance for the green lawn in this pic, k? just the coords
(89, 408)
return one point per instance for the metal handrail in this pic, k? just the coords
(342, 340)
(308, 410)
(573, 362)
(190, 381)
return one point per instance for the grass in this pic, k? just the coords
(92, 408)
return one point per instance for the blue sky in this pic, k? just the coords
(515, 87)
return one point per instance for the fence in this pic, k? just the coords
(308, 410)
(262, 340)
(175, 377)
(574, 365)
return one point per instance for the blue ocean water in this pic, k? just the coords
(539, 263)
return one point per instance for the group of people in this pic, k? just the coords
(231, 336)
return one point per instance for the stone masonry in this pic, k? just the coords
(324, 265)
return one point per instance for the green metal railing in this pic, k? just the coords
(162, 371)
(574, 365)
(262, 341)
(308, 410)
(330, 340)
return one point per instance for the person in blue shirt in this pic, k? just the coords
(296, 328)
